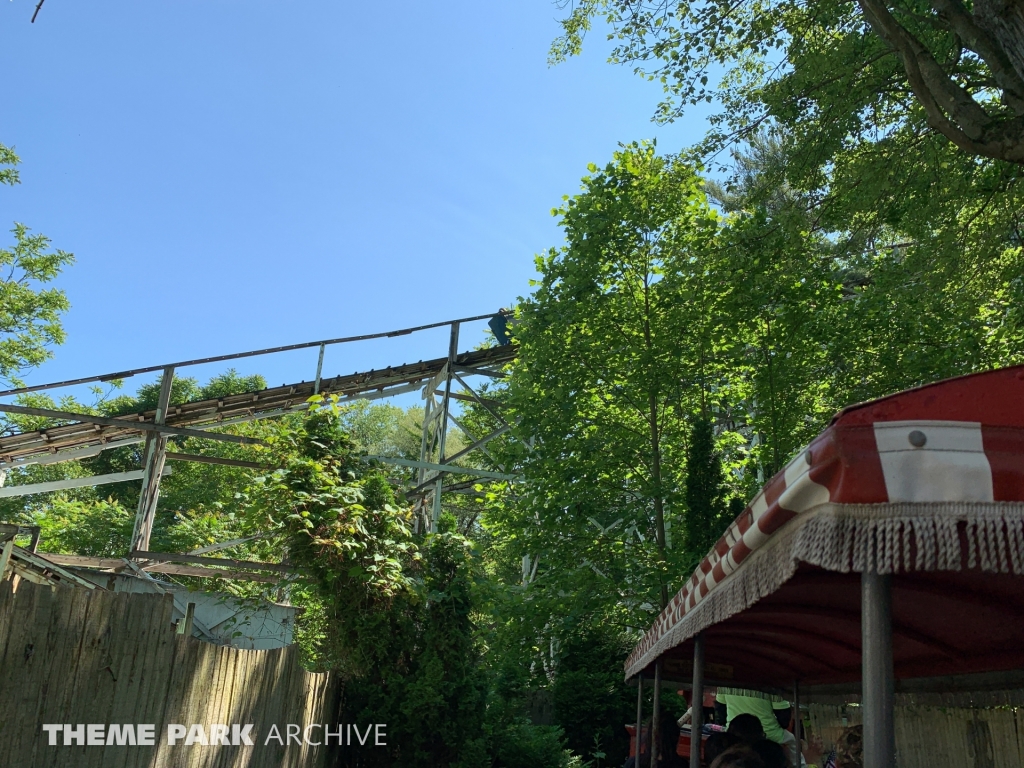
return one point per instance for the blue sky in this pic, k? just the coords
(237, 175)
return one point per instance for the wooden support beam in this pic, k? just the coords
(466, 486)
(143, 426)
(442, 467)
(508, 352)
(479, 443)
(173, 557)
(171, 569)
(453, 354)
(482, 371)
(156, 455)
(10, 491)
(85, 561)
(10, 529)
(5, 557)
(478, 399)
(214, 460)
(28, 561)
(228, 544)
(459, 396)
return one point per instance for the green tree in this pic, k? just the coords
(706, 502)
(955, 69)
(604, 384)
(30, 314)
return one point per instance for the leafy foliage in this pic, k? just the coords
(30, 314)
(857, 71)
(605, 380)
(706, 505)
(97, 528)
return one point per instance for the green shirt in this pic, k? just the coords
(761, 708)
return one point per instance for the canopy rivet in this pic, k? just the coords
(917, 438)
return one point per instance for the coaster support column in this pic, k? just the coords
(155, 456)
(453, 353)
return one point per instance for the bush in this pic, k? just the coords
(522, 745)
(591, 701)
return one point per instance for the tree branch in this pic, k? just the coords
(974, 130)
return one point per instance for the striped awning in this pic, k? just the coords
(924, 481)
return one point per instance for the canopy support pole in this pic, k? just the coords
(697, 700)
(877, 670)
(656, 716)
(637, 741)
(797, 724)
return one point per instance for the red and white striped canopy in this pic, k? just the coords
(927, 484)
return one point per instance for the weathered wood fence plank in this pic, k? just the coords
(79, 657)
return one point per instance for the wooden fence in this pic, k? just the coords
(78, 657)
(940, 737)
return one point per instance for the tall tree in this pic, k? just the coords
(603, 385)
(706, 503)
(30, 314)
(953, 67)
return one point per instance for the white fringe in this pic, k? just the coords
(895, 537)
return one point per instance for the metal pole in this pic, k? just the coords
(637, 741)
(697, 700)
(877, 670)
(656, 717)
(797, 724)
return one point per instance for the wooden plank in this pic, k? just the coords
(481, 371)
(226, 658)
(123, 706)
(59, 648)
(102, 695)
(173, 557)
(485, 400)
(153, 467)
(12, 491)
(85, 561)
(47, 568)
(173, 569)
(18, 668)
(64, 665)
(5, 556)
(228, 544)
(153, 678)
(142, 426)
(442, 467)
(244, 701)
(34, 664)
(176, 697)
(91, 682)
(195, 458)
(112, 658)
(117, 564)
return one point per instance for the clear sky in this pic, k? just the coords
(235, 175)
